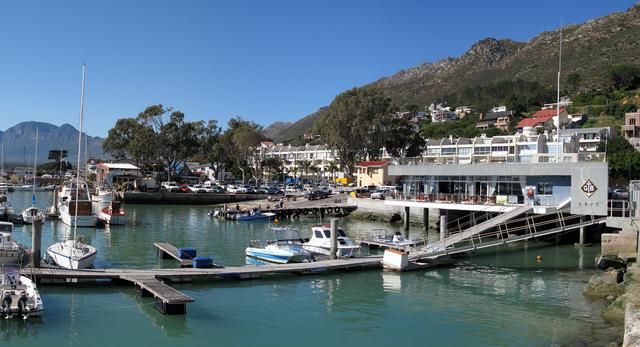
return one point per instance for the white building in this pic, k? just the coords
(319, 156)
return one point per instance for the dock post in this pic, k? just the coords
(443, 225)
(36, 242)
(334, 238)
(406, 218)
(582, 230)
(321, 213)
(425, 219)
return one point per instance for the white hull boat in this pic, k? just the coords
(280, 252)
(11, 252)
(254, 215)
(320, 242)
(19, 296)
(107, 209)
(30, 213)
(83, 221)
(72, 254)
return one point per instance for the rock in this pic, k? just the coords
(610, 297)
(610, 261)
(395, 217)
(631, 326)
(604, 284)
(628, 257)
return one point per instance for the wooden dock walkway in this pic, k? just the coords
(167, 251)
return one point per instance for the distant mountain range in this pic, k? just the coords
(588, 49)
(19, 142)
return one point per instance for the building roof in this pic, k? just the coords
(119, 166)
(378, 163)
(547, 113)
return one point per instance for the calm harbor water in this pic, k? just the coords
(499, 298)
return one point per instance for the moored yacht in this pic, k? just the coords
(74, 211)
(320, 242)
(72, 254)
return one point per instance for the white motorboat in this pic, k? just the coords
(19, 295)
(72, 254)
(11, 252)
(254, 215)
(320, 242)
(395, 240)
(280, 251)
(107, 209)
(29, 214)
(24, 187)
(75, 210)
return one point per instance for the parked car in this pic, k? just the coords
(170, 186)
(184, 188)
(380, 194)
(316, 194)
(620, 194)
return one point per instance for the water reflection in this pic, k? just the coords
(391, 281)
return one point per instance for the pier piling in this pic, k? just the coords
(36, 241)
(443, 225)
(425, 219)
(334, 239)
(406, 218)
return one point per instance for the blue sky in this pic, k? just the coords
(262, 60)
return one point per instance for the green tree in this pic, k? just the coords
(573, 81)
(305, 166)
(356, 124)
(274, 166)
(57, 155)
(623, 159)
(403, 139)
(235, 149)
(624, 77)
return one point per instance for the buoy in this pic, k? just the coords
(276, 221)
(538, 258)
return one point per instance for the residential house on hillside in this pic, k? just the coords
(372, 173)
(500, 120)
(631, 128)
(544, 119)
(442, 116)
(499, 109)
(320, 157)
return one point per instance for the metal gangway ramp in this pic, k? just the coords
(503, 229)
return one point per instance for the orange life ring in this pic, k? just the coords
(530, 192)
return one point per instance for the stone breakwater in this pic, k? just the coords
(618, 282)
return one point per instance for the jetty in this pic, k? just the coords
(160, 198)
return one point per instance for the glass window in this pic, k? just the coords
(464, 151)
(341, 233)
(448, 151)
(482, 150)
(327, 233)
(545, 188)
(318, 234)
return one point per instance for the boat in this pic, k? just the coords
(395, 240)
(279, 251)
(24, 187)
(108, 209)
(74, 253)
(11, 252)
(31, 213)
(320, 242)
(75, 205)
(19, 295)
(253, 215)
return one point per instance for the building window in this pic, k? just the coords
(545, 188)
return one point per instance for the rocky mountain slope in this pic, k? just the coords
(588, 50)
(19, 142)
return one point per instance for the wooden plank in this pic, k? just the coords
(160, 290)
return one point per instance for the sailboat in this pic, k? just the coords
(74, 254)
(31, 212)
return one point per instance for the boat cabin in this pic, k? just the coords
(6, 227)
(322, 233)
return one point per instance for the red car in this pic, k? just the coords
(184, 188)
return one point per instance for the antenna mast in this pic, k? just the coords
(75, 220)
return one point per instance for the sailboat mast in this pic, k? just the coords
(75, 217)
(559, 70)
(35, 170)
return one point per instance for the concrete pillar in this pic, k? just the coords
(443, 225)
(406, 218)
(36, 242)
(334, 238)
(55, 202)
(425, 219)
(582, 230)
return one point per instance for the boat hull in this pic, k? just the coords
(343, 252)
(83, 221)
(268, 256)
(112, 219)
(65, 256)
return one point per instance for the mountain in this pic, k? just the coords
(274, 129)
(588, 50)
(19, 142)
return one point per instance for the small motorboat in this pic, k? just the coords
(29, 214)
(320, 242)
(19, 295)
(279, 251)
(396, 240)
(11, 252)
(254, 215)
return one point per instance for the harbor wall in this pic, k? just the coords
(159, 198)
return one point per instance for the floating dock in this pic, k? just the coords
(168, 251)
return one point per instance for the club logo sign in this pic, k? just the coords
(589, 188)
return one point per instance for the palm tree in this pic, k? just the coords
(304, 165)
(333, 167)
